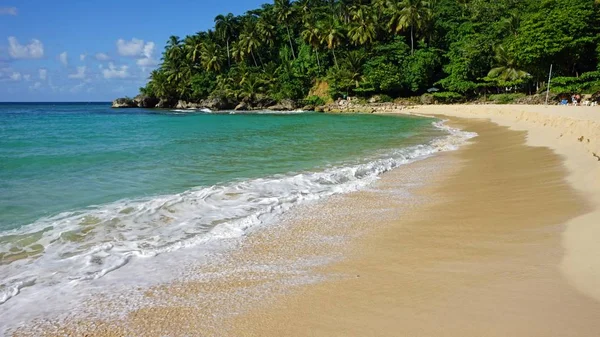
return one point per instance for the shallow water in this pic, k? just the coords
(85, 190)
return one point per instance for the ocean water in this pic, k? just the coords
(85, 190)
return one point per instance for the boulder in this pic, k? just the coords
(216, 104)
(308, 108)
(242, 106)
(124, 102)
(145, 101)
(375, 99)
(284, 105)
(165, 103)
(181, 105)
(263, 103)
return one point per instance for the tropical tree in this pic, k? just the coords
(410, 14)
(249, 41)
(225, 26)
(283, 9)
(211, 57)
(312, 35)
(193, 46)
(363, 28)
(506, 68)
(333, 35)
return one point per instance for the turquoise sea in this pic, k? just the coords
(85, 189)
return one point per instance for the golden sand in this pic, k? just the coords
(480, 259)
(486, 245)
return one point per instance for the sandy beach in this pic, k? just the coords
(505, 246)
(499, 238)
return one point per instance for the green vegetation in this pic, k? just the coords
(466, 48)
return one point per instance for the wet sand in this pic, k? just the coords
(466, 243)
(479, 258)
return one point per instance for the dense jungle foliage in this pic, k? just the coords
(463, 48)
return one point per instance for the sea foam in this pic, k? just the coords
(82, 246)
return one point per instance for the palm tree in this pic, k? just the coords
(408, 14)
(225, 26)
(312, 35)
(283, 10)
(249, 41)
(332, 35)
(211, 57)
(173, 50)
(353, 62)
(362, 30)
(507, 69)
(267, 29)
(193, 44)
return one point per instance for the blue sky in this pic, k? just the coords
(93, 50)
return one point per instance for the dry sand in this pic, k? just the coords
(499, 238)
(480, 258)
(574, 134)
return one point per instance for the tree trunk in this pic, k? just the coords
(290, 40)
(412, 44)
(228, 57)
(318, 61)
(254, 58)
(334, 57)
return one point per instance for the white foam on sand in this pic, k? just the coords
(121, 244)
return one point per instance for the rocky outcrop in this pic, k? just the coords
(308, 108)
(243, 106)
(124, 102)
(164, 103)
(284, 105)
(146, 102)
(217, 104)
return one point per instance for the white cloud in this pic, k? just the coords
(15, 76)
(33, 50)
(115, 72)
(139, 49)
(102, 57)
(8, 11)
(27, 77)
(148, 49)
(64, 58)
(80, 74)
(78, 87)
(132, 48)
(35, 86)
(146, 62)
(82, 57)
(43, 74)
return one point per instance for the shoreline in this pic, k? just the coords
(486, 262)
(574, 134)
(480, 258)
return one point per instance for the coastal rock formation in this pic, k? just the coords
(284, 105)
(165, 104)
(217, 104)
(242, 106)
(124, 102)
(145, 101)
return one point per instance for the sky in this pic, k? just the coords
(86, 51)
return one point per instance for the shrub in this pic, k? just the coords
(314, 100)
(448, 97)
(506, 98)
(385, 98)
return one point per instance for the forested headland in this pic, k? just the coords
(452, 50)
